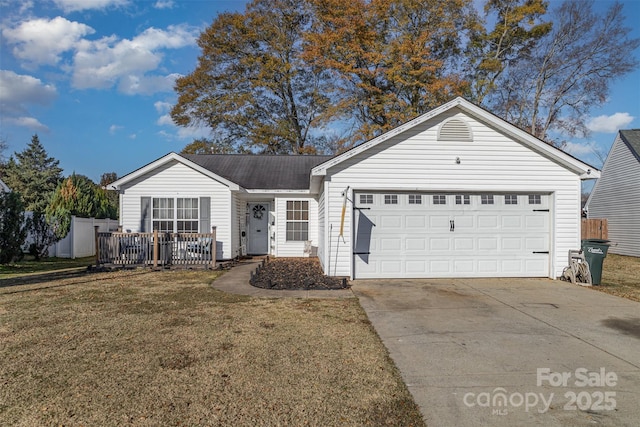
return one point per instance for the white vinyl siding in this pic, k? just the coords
(288, 248)
(492, 163)
(176, 180)
(321, 228)
(616, 197)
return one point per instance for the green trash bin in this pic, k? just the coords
(595, 251)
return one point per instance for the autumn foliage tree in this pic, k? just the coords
(390, 60)
(251, 86)
(301, 76)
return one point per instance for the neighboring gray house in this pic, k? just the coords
(3, 187)
(616, 195)
(455, 192)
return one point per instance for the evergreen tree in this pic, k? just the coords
(34, 175)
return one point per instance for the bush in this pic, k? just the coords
(13, 230)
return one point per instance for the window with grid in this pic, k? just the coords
(463, 199)
(366, 199)
(297, 220)
(535, 199)
(163, 214)
(486, 199)
(187, 215)
(415, 199)
(439, 199)
(390, 199)
(510, 199)
(169, 215)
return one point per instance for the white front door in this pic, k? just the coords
(258, 228)
(451, 235)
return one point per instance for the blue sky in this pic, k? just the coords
(94, 79)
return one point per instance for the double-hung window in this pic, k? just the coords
(297, 220)
(163, 214)
(169, 215)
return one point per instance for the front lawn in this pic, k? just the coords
(30, 266)
(621, 276)
(164, 348)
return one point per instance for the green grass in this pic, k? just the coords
(30, 266)
(148, 348)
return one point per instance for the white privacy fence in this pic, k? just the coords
(81, 241)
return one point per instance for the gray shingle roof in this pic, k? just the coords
(275, 172)
(632, 138)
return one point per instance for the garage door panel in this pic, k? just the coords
(512, 244)
(390, 267)
(536, 244)
(416, 267)
(440, 266)
(511, 222)
(438, 222)
(488, 266)
(449, 240)
(488, 222)
(415, 244)
(439, 244)
(537, 222)
(487, 244)
(464, 222)
(464, 266)
(463, 244)
(418, 222)
(393, 244)
(391, 222)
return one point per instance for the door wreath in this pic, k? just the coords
(258, 211)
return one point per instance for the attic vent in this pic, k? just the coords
(455, 130)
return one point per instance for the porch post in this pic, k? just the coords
(97, 243)
(155, 248)
(213, 247)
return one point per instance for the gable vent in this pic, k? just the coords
(455, 130)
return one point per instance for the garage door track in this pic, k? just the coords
(505, 352)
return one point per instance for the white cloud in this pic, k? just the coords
(108, 62)
(609, 124)
(77, 5)
(164, 4)
(179, 132)
(114, 128)
(28, 122)
(147, 85)
(17, 91)
(42, 41)
(133, 136)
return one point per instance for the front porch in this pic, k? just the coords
(156, 249)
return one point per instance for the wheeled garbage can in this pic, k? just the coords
(595, 251)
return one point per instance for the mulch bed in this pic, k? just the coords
(295, 273)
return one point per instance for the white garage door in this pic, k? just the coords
(418, 235)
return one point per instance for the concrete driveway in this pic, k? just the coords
(507, 352)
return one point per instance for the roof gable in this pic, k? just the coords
(171, 157)
(569, 162)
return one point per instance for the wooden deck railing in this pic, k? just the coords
(156, 249)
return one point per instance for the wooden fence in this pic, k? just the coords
(594, 228)
(156, 249)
